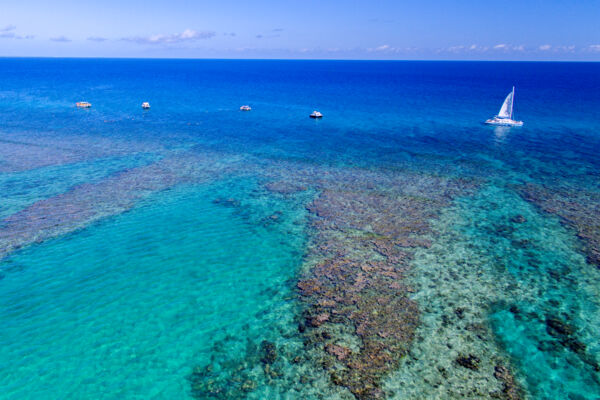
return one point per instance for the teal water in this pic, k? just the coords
(127, 307)
(156, 254)
(23, 188)
(488, 287)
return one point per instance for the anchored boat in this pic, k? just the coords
(316, 114)
(146, 105)
(83, 104)
(245, 108)
(504, 117)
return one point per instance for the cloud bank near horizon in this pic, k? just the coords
(8, 32)
(189, 39)
(440, 29)
(188, 35)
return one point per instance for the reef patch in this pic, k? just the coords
(358, 311)
(579, 210)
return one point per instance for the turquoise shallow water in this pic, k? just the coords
(548, 280)
(23, 188)
(497, 272)
(127, 307)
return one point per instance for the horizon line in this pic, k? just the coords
(294, 59)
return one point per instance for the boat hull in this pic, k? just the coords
(503, 122)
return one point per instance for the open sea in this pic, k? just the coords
(397, 248)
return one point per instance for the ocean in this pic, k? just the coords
(396, 248)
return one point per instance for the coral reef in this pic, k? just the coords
(469, 361)
(89, 202)
(579, 210)
(234, 378)
(499, 320)
(358, 319)
(364, 231)
(364, 315)
(261, 369)
(510, 389)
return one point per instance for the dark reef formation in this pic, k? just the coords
(358, 311)
(241, 374)
(89, 202)
(469, 361)
(510, 389)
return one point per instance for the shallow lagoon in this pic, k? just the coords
(126, 307)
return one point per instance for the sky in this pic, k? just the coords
(303, 29)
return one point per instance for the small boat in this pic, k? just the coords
(504, 117)
(146, 105)
(83, 104)
(316, 114)
(245, 108)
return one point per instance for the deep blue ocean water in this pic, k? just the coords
(142, 280)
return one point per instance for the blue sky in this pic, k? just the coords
(333, 29)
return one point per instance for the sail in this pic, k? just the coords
(506, 110)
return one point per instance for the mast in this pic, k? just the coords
(512, 102)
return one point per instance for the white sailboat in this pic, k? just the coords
(504, 117)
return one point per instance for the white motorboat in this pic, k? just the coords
(245, 108)
(83, 104)
(316, 114)
(146, 105)
(504, 117)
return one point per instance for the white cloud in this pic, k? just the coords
(383, 47)
(455, 49)
(8, 28)
(567, 49)
(386, 48)
(186, 36)
(464, 49)
(508, 47)
(97, 39)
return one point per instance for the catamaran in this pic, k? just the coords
(504, 117)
